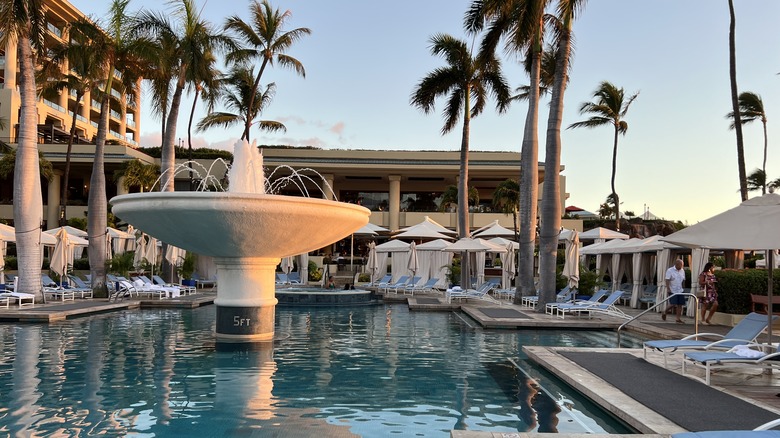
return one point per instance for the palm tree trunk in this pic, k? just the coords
(97, 212)
(463, 190)
(28, 201)
(168, 152)
(252, 96)
(189, 135)
(66, 176)
(735, 104)
(551, 201)
(763, 167)
(529, 183)
(614, 172)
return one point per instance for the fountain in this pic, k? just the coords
(247, 232)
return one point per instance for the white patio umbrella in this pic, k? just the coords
(286, 264)
(140, 251)
(602, 233)
(753, 225)
(571, 265)
(414, 262)
(372, 263)
(62, 255)
(493, 230)
(508, 264)
(429, 224)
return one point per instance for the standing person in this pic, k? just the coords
(710, 297)
(674, 278)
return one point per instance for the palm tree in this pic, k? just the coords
(506, 198)
(121, 55)
(521, 24)
(743, 191)
(22, 22)
(138, 174)
(235, 91)
(610, 108)
(192, 43)
(83, 55)
(450, 197)
(751, 108)
(464, 78)
(550, 217)
(267, 42)
(756, 180)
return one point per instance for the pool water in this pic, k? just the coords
(372, 371)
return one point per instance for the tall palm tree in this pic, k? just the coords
(22, 22)
(567, 11)
(450, 196)
(735, 103)
(521, 24)
(138, 174)
(463, 78)
(235, 92)
(751, 108)
(267, 42)
(756, 180)
(610, 108)
(506, 198)
(83, 55)
(122, 55)
(193, 42)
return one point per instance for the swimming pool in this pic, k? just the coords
(372, 371)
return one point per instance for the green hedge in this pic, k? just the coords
(736, 286)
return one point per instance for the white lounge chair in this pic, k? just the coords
(186, 290)
(425, 287)
(606, 307)
(764, 357)
(551, 308)
(480, 293)
(745, 332)
(401, 282)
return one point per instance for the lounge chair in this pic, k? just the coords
(648, 295)
(294, 277)
(187, 290)
(282, 278)
(746, 331)
(425, 287)
(21, 298)
(762, 431)
(409, 286)
(565, 294)
(401, 282)
(763, 357)
(382, 281)
(606, 307)
(202, 282)
(550, 308)
(480, 293)
(59, 294)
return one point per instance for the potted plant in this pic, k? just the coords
(186, 268)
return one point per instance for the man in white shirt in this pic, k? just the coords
(674, 278)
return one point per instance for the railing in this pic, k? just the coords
(54, 105)
(82, 118)
(130, 123)
(695, 315)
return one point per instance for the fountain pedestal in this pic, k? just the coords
(246, 301)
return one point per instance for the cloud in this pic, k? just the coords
(337, 129)
(150, 140)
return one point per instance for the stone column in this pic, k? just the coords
(395, 202)
(53, 208)
(120, 186)
(329, 193)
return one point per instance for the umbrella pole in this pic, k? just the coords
(351, 252)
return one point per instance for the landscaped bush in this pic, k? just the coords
(736, 286)
(364, 278)
(81, 264)
(314, 272)
(11, 263)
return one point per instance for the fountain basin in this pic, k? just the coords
(236, 225)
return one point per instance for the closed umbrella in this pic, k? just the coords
(571, 265)
(372, 264)
(62, 255)
(140, 251)
(508, 263)
(414, 262)
(286, 264)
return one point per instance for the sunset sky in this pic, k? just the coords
(678, 158)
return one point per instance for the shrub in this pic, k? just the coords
(81, 264)
(11, 263)
(453, 272)
(315, 274)
(735, 287)
(364, 278)
(590, 281)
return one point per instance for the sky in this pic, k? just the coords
(677, 159)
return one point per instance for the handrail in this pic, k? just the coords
(695, 316)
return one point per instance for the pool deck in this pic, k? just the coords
(758, 388)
